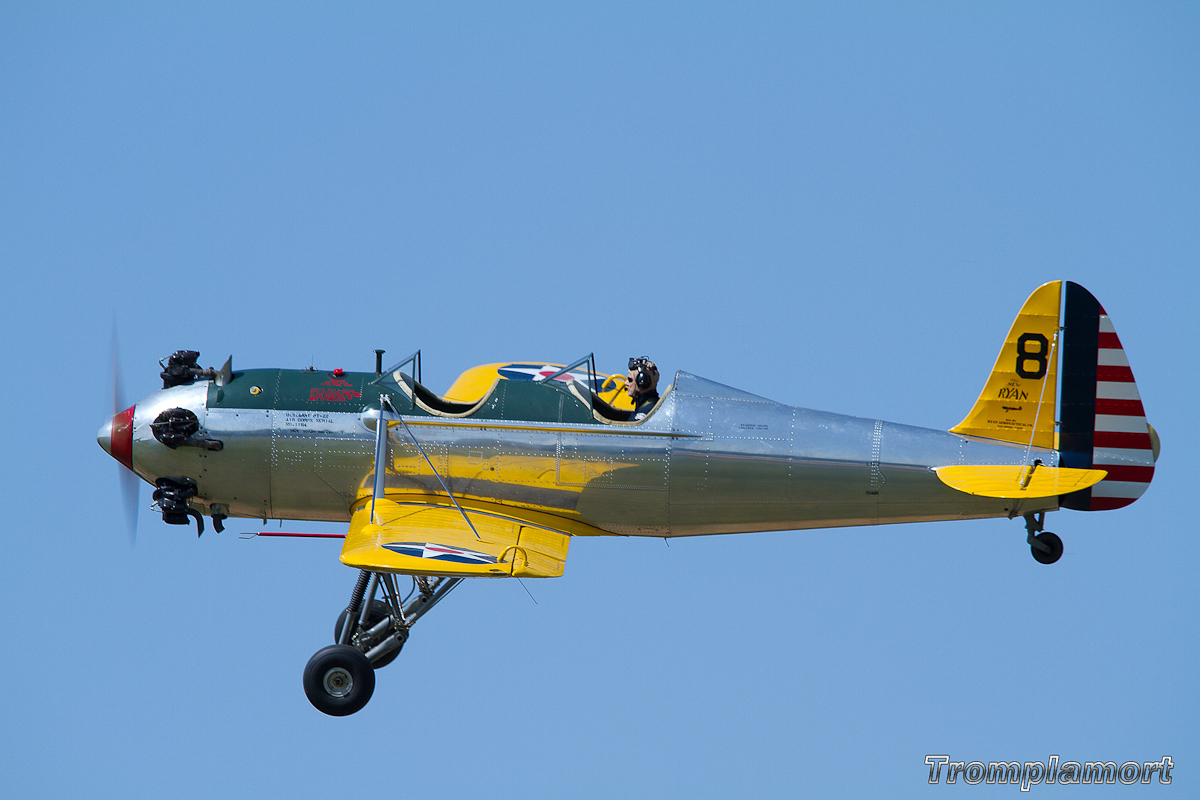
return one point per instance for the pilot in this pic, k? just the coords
(642, 387)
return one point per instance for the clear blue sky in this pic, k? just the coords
(838, 206)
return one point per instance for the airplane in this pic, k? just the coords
(495, 477)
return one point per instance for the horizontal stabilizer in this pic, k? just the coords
(432, 539)
(1015, 481)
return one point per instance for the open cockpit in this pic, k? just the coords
(531, 391)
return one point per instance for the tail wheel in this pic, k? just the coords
(1053, 545)
(339, 680)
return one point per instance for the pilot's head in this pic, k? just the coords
(643, 377)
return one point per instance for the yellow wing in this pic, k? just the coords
(1015, 481)
(428, 536)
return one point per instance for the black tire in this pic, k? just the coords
(1051, 541)
(339, 680)
(379, 611)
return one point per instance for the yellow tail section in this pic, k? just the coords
(1017, 404)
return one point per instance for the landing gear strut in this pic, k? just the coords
(340, 679)
(1045, 546)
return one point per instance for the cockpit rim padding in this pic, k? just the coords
(440, 407)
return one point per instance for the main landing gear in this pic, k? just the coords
(1045, 546)
(340, 679)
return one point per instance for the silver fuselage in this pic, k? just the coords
(709, 459)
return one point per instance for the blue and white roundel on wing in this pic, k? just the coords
(440, 552)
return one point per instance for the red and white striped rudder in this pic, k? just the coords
(1102, 423)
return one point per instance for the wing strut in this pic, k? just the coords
(381, 444)
(388, 412)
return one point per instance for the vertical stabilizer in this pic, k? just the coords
(1017, 403)
(1102, 422)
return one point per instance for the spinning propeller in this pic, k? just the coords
(116, 437)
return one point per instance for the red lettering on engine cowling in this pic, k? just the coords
(338, 391)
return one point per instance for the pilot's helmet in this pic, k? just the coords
(644, 374)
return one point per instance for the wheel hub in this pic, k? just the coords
(338, 682)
